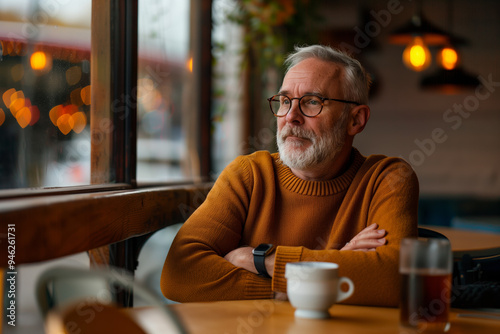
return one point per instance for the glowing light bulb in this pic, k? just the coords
(448, 58)
(417, 56)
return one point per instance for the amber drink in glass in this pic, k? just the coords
(425, 268)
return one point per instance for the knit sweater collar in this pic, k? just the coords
(319, 188)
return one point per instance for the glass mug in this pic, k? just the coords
(425, 266)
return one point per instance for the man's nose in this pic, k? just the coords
(294, 115)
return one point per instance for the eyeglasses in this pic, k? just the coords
(309, 105)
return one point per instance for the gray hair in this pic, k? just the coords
(356, 82)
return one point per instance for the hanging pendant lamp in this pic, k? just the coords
(419, 26)
(418, 35)
(453, 81)
(450, 78)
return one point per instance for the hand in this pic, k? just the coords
(280, 296)
(242, 257)
(367, 240)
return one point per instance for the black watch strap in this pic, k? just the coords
(259, 258)
(260, 265)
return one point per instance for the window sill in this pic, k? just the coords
(48, 227)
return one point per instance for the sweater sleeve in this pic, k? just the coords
(195, 268)
(390, 199)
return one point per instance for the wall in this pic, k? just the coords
(462, 157)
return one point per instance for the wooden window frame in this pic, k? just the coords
(55, 222)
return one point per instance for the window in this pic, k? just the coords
(164, 92)
(45, 115)
(126, 83)
(45, 94)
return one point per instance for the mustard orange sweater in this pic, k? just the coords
(257, 199)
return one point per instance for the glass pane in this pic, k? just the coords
(227, 119)
(164, 91)
(45, 93)
(235, 83)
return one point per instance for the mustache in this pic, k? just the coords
(288, 131)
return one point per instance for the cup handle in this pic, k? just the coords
(344, 295)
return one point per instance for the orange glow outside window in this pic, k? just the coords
(40, 61)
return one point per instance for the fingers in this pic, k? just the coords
(368, 239)
(365, 244)
(373, 226)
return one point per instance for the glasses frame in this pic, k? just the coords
(323, 99)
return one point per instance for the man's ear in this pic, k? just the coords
(359, 118)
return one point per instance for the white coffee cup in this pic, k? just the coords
(313, 287)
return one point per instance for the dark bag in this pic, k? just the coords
(476, 282)
(476, 278)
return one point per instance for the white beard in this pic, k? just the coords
(323, 147)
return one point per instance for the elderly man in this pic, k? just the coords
(318, 199)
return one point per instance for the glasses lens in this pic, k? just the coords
(280, 105)
(311, 105)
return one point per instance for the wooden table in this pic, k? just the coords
(269, 316)
(471, 242)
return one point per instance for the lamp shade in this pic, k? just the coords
(453, 81)
(419, 26)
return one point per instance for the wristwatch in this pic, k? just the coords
(259, 256)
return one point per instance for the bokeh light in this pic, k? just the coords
(68, 118)
(152, 100)
(70, 109)
(416, 55)
(41, 61)
(448, 58)
(17, 72)
(38, 60)
(7, 95)
(20, 48)
(11, 48)
(17, 102)
(85, 95)
(79, 121)
(63, 123)
(76, 97)
(7, 47)
(2, 116)
(35, 114)
(55, 113)
(73, 75)
(20, 107)
(23, 117)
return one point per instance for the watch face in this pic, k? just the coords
(262, 249)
